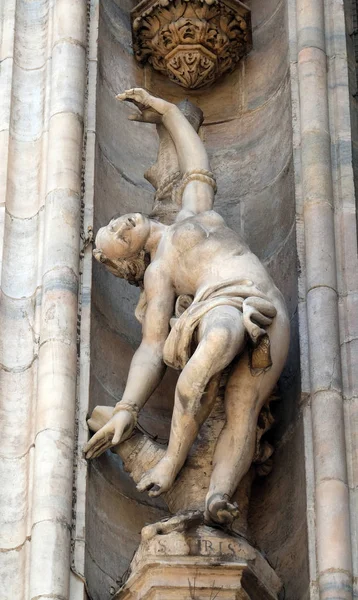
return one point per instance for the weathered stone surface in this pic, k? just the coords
(256, 189)
(176, 564)
(242, 144)
(43, 85)
(153, 469)
(192, 43)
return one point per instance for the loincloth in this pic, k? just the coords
(257, 313)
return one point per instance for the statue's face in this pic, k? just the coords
(124, 236)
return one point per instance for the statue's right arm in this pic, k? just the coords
(146, 370)
(198, 196)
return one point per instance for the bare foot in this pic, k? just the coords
(220, 510)
(159, 479)
(179, 522)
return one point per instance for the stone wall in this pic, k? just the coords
(42, 54)
(283, 144)
(248, 134)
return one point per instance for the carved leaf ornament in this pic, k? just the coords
(193, 42)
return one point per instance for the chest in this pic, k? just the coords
(188, 234)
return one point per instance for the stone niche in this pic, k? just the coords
(248, 133)
(192, 42)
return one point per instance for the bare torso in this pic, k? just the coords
(202, 250)
(196, 253)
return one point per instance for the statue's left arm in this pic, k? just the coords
(198, 195)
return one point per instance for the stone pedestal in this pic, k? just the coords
(204, 563)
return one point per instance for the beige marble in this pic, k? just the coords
(43, 83)
(290, 93)
(77, 579)
(322, 111)
(192, 44)
(202, 561)
(218, 274)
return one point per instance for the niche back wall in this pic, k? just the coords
(248, 134)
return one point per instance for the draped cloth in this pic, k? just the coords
(257, 313)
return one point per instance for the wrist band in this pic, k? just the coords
(132, 409)
(194, 175)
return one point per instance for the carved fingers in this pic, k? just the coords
(151, 108)
(101, 441)
(137, 96)
(111, 434)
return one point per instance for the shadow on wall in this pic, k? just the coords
(247, 132)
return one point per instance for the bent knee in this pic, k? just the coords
(218, 335)
(224, 335)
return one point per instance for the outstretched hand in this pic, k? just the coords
(111, 434)
(151, 108)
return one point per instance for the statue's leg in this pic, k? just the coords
(245, 395)
(222, 337)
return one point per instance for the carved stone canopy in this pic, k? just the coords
(193, 42)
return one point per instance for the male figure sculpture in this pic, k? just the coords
(229, 315)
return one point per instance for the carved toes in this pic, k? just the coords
(179, 522)
(155, 482)
(220, 510)
(148, 483)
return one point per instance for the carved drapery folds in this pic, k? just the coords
(192, 42)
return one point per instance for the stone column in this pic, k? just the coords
(77, 582)
(325, 207)
(43, 66)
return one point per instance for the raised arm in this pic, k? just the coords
(146, 370)
(198, 194)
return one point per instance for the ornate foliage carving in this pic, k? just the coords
(192, 42)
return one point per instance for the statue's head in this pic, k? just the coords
(120, 247)
(124, 237)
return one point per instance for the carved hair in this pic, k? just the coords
(131, 269)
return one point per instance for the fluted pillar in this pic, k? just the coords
(44, 72)
(48, 54)
(325, 198)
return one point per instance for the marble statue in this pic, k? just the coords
(207, 306)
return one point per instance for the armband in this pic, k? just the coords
(194, 175)
(133, 410)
